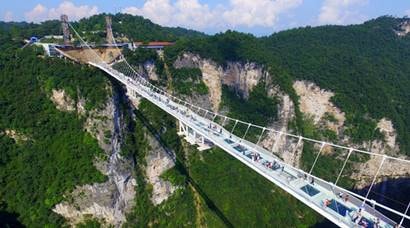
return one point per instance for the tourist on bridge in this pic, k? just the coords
(346, 198)
(326, 203)
(340, 195)
(357, 216)
(377, 223)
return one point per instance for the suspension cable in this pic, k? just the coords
(257, 126)
(405, 213)
(374, 180)
(296, 149)
(279, 134)
(260, 136)
(236, 122)
(344, 164)
(244, 135)
(144, 82)
(317, 157)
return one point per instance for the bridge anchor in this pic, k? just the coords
(193, 137)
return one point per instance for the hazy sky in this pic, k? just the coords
(259, 17)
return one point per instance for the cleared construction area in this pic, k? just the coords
(85, 55)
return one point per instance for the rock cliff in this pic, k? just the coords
(314, 103)
(111, 200)
(243, 77)
(158, 162)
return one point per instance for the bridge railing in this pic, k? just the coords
(358, 199)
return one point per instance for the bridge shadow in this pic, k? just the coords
(325, 223)
(8, 219)
(179, 165)
(393, 193)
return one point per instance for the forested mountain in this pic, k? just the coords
(365, 65)
(135, 28)
(43, 152)
(52, 159)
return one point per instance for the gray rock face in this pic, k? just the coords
(314, 102)
(211, 75)
(151, 70)
(158, 162)
(62, 101)
(243, 77)
(109, 201)
(404, 28)
(283, 146)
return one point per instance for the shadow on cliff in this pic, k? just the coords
(394, 193)
(179, 165)
(9, 220)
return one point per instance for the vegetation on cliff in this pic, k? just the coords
(56, 154)
(365, 65)
(198, 173)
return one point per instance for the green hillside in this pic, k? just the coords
(367, 66)
(54, 153)
(134, 27)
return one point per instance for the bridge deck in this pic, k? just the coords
(292, 180)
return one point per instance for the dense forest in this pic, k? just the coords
(365, 65)
(135, 28)
(51, 153)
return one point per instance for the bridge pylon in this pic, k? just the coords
(108, 30)
(66, 30)
(193, 137)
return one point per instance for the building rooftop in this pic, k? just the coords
(154, 43)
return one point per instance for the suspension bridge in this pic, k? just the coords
(206, 128)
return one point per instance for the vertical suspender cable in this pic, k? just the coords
(236, 122)
(260, 136)
(374, 180)
(296, 149)
(223, 123)
(405, 213)
(344, 164)
(246, 132)
(317, 157)
(279, 134)
(213, 118)
(206, 113)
